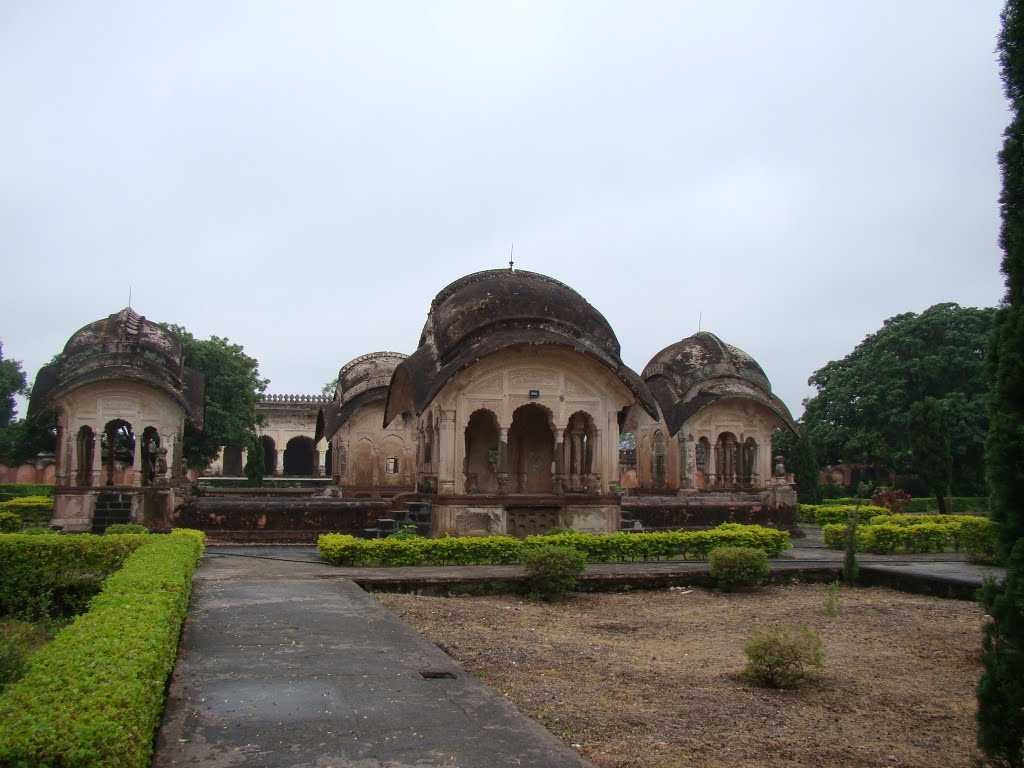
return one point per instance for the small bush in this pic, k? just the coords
(9, 522)
(117, 528)
(782, 658)
(738, 567)
(552, 571)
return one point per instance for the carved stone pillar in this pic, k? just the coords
(245, 459)
(594, 449)
(321, 458)
(446, 454)
(279, 459)
(504, 476)
(559, 478)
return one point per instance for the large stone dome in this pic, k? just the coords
(360, 381)
(701, 369)
(124, 345)
(485, 312)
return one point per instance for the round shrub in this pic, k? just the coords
(9, 522)
(126, 528)
(552, 571)
(782, 658)
(736, 567)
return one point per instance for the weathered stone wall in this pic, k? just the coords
(523, 516)
(362, 448)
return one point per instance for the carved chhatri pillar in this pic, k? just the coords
(559, 479)
(504, 477)
(596, 474)
(446, 459)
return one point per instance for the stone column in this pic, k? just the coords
(279, 455)
(321, 458)
(245, 458)
(712, 465)
(97, 457)
(446, 459)
(135, 476)
(596, 475)
(504, 476)
(559, 479)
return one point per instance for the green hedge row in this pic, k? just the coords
(906, 519)
(32, 510)
(975, 535)
(55, 574)
(94, 695)
(962, 505)
(823, 514)
(341, 549)
(16, 490)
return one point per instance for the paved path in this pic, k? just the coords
(286, 664)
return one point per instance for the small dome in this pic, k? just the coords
(485, 312)
(361, 381)
(124, 345)
(700, 369)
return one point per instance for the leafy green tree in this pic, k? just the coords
(12, 383)
(255, 466)
(1001, 689)
(930, 448)
(798, 454)
(861, 412)
(233, 386)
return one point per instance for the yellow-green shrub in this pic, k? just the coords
(94, 695)
(32, 510)
(51, 575)
(342, 549)
(733, 567)
(896, 533)
(824, 514)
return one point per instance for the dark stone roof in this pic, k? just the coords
(124, 345)
(360, 382)
(701, 369)
(486, 312)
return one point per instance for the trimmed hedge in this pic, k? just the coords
(119, 528)
(733, 567)
(9, 522)
(823, 514)
(94, 695)
(52, 575)
(962, 505)
(974, 535)
(342, 549)
(33, 510)
(16, 490)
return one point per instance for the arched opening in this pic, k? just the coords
(702, 461)
(300, 457)
(748, 463)
(658, 460)
(231, 465)
(118, 446)
(269, 454)
(579, 451)
(482, 436)
(329, 461)
(86, 446)
(150, 453)
(727, 460)
(532, 448)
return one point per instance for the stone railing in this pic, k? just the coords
(295, 399)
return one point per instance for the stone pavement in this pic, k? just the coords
(286, 664)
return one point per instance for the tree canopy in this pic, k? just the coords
(861, 412)
(12, 383)
(233, 386)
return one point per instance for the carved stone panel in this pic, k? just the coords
(530, 521)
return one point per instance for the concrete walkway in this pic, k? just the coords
(286, 664)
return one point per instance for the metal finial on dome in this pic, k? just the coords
(511, 263)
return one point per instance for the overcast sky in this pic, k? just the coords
(304, 177)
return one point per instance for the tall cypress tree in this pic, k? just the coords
(1001, 689)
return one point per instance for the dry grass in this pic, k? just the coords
(650, 678)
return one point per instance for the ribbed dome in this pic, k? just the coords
(700, 369)
(361, 381)
(124, 345)
(474, 304)
(485, 312)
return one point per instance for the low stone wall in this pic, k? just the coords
(485, 515)
(286, 519)
(671, 513)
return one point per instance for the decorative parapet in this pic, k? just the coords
(295, 399)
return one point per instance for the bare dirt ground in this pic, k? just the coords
(650, 678)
